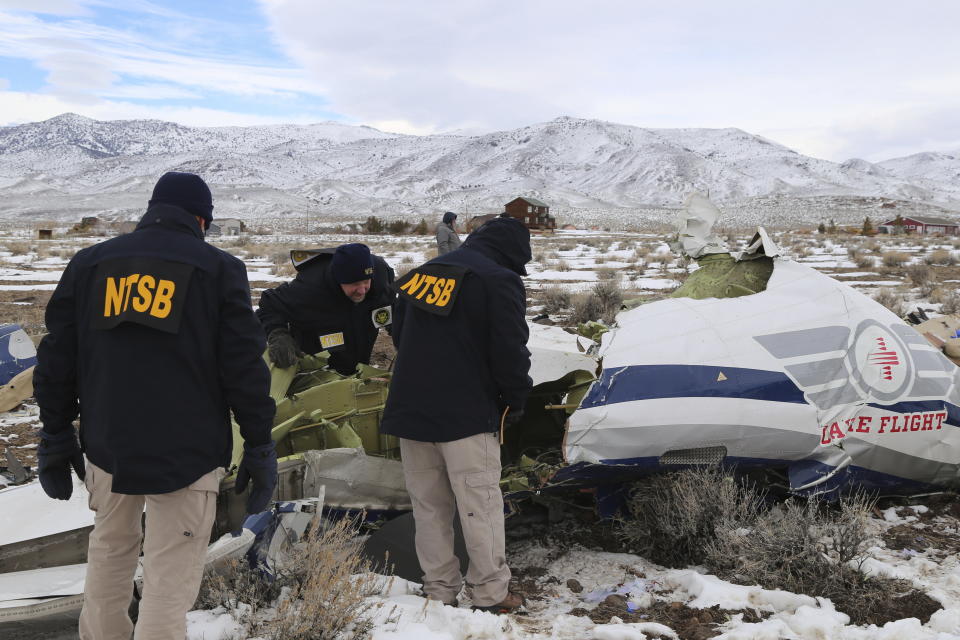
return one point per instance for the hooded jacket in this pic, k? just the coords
(152, 342)
(316, 311)
(447, 238)
(461, 335)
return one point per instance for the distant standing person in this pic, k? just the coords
(153, 341)
(462, 369)
(447, 238)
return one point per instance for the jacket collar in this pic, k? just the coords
(170, 216)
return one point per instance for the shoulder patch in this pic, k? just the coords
(300, 257)
(147, 291)
(382, 316)
(432, 287)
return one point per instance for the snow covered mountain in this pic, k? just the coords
(71, 165)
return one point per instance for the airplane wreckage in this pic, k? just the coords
(755, 361)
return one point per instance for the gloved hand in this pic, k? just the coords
(282, 349)
(55, 455)
(260, 465)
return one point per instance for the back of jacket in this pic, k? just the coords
(460, 363)
(152, 341)
(317, 313)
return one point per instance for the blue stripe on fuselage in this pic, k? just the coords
(647, 382)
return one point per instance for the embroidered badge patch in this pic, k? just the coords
(382, 317)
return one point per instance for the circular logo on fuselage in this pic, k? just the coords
(879, 362)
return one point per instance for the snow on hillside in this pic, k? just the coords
(71, 165)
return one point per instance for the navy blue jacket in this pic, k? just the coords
(463, 359)
(152, 342)
(313, 305)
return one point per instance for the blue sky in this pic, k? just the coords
(872, 79)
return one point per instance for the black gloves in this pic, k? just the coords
(282, 348)
(55, 455)
(260, 465)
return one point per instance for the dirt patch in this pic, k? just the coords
(383, 351)
(930, 538)
(688, 623)
(913, 604)
(17, 436)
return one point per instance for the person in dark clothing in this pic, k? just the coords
(153, 341)
(338, 302)
(461, 369)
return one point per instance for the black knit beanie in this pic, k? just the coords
(187, 190)
(351, 263)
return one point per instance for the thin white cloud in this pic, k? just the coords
(21, 107)
(79, 56)
(812, 69)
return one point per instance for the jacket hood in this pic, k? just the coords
(504, 240)
(449, 217)
(170, 216)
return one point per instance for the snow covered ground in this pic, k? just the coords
(918, 544)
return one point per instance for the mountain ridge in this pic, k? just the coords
(332, 169)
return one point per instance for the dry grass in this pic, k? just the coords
(703, 516)
(320, 592)
(602, 303)
(554, 299)
(331, 582)
(894, 258)
(892, 299)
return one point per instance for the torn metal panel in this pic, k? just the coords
(695, 237)
(808, 374)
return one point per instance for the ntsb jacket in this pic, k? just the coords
(321, 317)
(152, 342)
(461, 334)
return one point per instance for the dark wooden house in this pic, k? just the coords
(535, 214)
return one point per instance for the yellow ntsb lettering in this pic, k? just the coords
(413, 283)
(444, 297)
(437, 289)
(427, 281)
(157, 298)
(163, 299)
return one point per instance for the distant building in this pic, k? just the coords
(922, 224)
(225, 227)
(45, 234)
(535, 214)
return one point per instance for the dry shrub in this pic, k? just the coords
(555, 299)
(950, 303)
(891, 299)
(562, 265)
(674, 516)
(606, 273)
(864, 261)
(331, 581)
(894, 258)
(921, 276)
(602, 303)
(703, 516)
(943, 257)
(806, 547)
(320, 592)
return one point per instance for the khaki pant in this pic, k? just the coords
(178, 528)
(443, 478)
